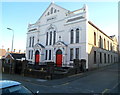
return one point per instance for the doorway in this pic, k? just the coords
(37, 57)
(59, 58)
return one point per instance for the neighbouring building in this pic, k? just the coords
(60, 36)
(2, 53)
(12, 62)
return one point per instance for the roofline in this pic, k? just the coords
(48, 8)
(9, 54)
(99, 29)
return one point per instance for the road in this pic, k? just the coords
(103, 80)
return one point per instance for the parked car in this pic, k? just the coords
(13, 87)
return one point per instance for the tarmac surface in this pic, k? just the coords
(103, 80)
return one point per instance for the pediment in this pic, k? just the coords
(51, 13)
(60, 43)
(38, 45)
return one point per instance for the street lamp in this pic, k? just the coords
(12, 38)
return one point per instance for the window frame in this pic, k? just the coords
(77, 35)
(71, 54)
(72, 36)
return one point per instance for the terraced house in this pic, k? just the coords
(60, 36)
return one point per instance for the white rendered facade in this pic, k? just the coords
(52, 32)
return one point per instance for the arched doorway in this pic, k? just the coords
(59, 58)
(37, 57)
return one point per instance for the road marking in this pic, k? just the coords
(66, 83)
(105, 91)
(41, 80)
(115, 85)
(75, 75)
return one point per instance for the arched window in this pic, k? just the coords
(54, 40)
(94, 57)
(46, 38)
(77, 35)
(94, 38)
(77, 53)
(51, 10)
(71, 54)
(49, 54)
(46, 54)
(104, 44)
(72, 36)
(100, 57)
(104, 57)
(51, 38)
(108, 45)
(111, 46)
(33, 42)
(55, 11)
(30, 42)
(31, 54)
(100, 42)
(48, 13)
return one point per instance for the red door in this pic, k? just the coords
(37, 57)
(59, 58)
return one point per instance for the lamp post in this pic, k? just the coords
(12, 38)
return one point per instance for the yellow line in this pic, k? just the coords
(106, 90)
(75, 75)
(65, 83)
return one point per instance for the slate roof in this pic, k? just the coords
(41, 45)
(62, 43)
(17, 55)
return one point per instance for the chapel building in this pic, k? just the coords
(60, 36)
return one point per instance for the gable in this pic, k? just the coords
(52, 13)
(60, 43)
(8, 56)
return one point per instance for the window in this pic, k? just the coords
(46, 52)
(54, 37)
(95, 57)
(111, 59)
(8, 61)
(94, 38)
(77, 53)
(72, 36)
(30, 42)
(47, 39)
(33, 42)
(77, 35)
(100, 42)
(48, 13)
(114, 59)
(104, 58)
(55, 11)
(29, 54)
(49, 54)
(104, 44)
(100, 57)
(111, 46)
(71, 54)
(51, 38)
(108, 58)
(51, 10)
(108, 45)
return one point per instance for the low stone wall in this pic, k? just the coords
(35, 73)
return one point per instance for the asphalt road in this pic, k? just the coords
(103, 80)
